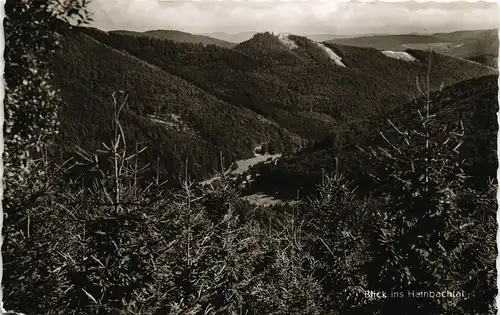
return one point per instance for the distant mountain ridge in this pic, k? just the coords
(178, 36)
(244, 36)
(193, 103)
(477, 45)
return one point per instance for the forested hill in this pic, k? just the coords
(178, 36)
(476, 45)
(195, 102)
(474, 102)
(176, 120)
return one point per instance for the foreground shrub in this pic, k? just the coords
(429, 237)
(119, 246)
(337, 227)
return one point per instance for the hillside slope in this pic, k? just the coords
(477, 45)
(231, 37)
(296, 82)
(174, 118)
(473, 101)
(178, 36)
(193, 102)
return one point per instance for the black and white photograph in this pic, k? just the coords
(249, 157)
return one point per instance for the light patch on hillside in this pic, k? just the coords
(243, 165)
(336, 58)
(265, 120)
(401, 55)
(444, 46)
(171, 121)
(286, 41)
(264, 200)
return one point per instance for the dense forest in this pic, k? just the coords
(189, 103)
(471, 101)
(178, 36)
(475, 45)
(91, 227)
(205, 126)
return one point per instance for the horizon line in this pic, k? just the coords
(300, 34)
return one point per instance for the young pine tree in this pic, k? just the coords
(424, 240)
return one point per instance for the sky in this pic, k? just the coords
(298, 17)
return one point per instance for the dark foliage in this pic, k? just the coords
(472, 101)
(102, 233)
(31, 103)
(180, 37)
(176, 120)
(220, 94)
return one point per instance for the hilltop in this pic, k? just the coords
(244, 36)
(178, 36)
(193, 102)
(476, 45)
(231, 37)
(176, 120)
